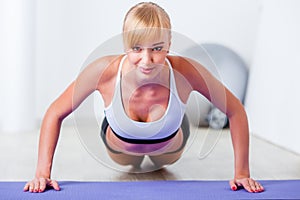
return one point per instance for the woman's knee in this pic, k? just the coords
(166, 159)
(124, 159)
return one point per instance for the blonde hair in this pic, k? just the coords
(143, 22)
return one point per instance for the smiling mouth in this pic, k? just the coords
(146, 70)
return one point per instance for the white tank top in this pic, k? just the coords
(125, 127)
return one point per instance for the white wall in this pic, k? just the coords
(273, 99)
(17, 72)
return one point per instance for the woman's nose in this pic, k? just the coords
(147, 56)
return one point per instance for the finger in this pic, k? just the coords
(54, 184)
(252, 184)
(36, 185)
(259, 187)
(31, 186)
(42, 185)
(247, 186)
(26, 187)
(232, 185)
(255, 186)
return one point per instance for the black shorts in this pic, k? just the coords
(185, 127)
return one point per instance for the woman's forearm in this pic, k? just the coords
(240, 138)
(49, 135)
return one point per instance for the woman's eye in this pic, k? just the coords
(136, 49)
(157, 48)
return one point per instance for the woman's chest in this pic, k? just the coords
(146, 104)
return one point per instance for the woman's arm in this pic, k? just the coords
(204, 82)
(49, 134)
(86, 83)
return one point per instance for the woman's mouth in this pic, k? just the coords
(146, 70)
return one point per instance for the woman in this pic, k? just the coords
(145, 93)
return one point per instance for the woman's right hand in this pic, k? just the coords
(40, 184)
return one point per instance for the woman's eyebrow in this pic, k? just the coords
(158, 43)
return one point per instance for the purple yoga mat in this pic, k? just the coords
(152, 190)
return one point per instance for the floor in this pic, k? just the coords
(208, 156)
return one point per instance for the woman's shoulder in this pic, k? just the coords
(180, 63)
(187, 68)
(107, 65)
(101, 69)
(182, 72)
(184, 64)
(105, 62)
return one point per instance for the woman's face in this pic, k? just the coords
(148, 58)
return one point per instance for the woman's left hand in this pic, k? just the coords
(247, 183)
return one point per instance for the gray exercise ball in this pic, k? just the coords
(231, 70)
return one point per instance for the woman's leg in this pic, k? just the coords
(173, 155)
(117, 156)
(166, 159)
(125, 159)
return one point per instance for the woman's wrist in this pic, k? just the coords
(242, 174)
(43, 172)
